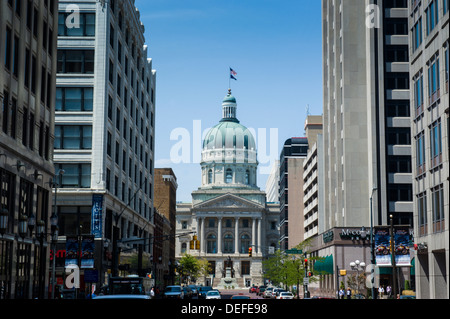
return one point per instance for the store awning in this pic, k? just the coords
(324, 266)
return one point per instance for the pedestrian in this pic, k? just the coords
(381, 291)
(389, 291)
(341, 293)
(152, 293)
(349, 293)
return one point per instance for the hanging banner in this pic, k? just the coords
(382, 247)
(96, 215)
(72, 248)
(87, 252)
(402, 240)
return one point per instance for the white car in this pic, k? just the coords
(213, 294)
(268, 293)
(285, 295)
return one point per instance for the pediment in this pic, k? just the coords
(227, 202)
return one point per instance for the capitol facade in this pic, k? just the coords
(229, 213)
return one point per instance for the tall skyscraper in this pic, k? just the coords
(291, 194)
(28, 35)
(104, 128)
(367, 136)
(429, 76)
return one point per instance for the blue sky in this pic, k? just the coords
(275, 46)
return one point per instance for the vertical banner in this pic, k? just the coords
(72, 248)
(96, 215)
(87, 252)
(382, 247)
(402, 240)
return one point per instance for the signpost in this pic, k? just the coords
(294, 251)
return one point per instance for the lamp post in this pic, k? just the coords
(357, 265)
(55, 229)
(372, 250)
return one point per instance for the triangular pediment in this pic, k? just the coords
(227, 201)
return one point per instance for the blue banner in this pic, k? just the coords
(96, 218)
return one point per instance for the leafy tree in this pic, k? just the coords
(190, 268)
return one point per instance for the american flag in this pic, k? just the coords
(232, 73)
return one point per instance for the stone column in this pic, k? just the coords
(236, 235)
(259, 236)
(219, 235)
(201, 231)
(253, 234)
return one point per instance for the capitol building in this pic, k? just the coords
(229, 214)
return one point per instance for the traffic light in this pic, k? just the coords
(310, 274)
(250, 252)
(194, 243)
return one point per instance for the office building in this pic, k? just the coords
(28, 35)
(429, 73)
(104, 132)
(291, 194)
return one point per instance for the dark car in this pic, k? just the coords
(194, 289)
(173, 292)
(202, 290)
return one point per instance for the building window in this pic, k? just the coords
(76, 61)
(75, 175)
(433, 79)
(245, 243)
(85, 26)
(422, 213)
(432, 13)
(73, 219)
(436, 143)
(228, 246)
(420, 153)
(417, 34)
(74, 99)
(211, 244)
(418, 93)
(210, 176)
(247, 177)
(438, 209)
(73, 137)
(229, 176)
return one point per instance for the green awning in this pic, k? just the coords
(324, 266)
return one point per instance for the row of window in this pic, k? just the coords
(437, 211)
(229, 176)
(435, 147)
(434, 80)
(431, 14)
(11, 115)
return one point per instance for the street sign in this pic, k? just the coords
(306, 281)
(294, 251)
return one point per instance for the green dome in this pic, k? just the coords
(229, 99)
(229, 134)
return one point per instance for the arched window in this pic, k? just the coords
(211, 244)
(228, 243)
(245, 243)
(247, 177)
(229, 176)
(210, 176)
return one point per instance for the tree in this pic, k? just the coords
(190, 268)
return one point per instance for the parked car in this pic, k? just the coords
(202, 290)
(252, 289)
(268, 292)
(213, 294)
(260, 290)
(194, 289)
(285, 295)
(276, 292)
(173, 292)
(188, 294)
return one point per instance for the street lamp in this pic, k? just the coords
(357, 265)
(372, 250)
